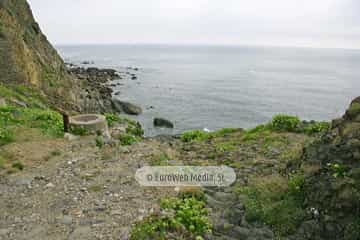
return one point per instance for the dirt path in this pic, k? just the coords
(81, 193)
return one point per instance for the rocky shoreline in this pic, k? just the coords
(98, 86)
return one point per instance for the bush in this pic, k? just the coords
(112, 118)
(316, 127)
(285, 123)
(186, 216)
(194, 135)
(99, 142)
(127, 139)
(276, 202)
(135, 130)
(6, 136)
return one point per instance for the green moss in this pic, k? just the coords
(189, 219)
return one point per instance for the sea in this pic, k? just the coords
(213, 87)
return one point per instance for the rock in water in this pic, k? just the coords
(161, 122)
(126, 107)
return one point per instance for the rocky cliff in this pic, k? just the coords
(332, 187)
(27, 57)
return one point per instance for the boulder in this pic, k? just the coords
(161, 122)
(126, 107)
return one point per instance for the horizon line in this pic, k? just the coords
(204, 44)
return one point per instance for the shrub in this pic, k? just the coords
(99, 142)
(316, 127)
(194, 135)
(276, 202)
(187, 216)
(112, 118)
(285, 123)
(135, 130)
(6, 136)
(159, 160)
(127, 139)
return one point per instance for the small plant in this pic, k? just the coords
(80, 131)
(186, 216)
(336, 170)
(99, 142)
(18, 165)
(276, 202)
(194, 135)
(159, 160)
(135, 130)
(112, 118)
(6, 136)
(316, 127)
(127, 139)
(287, 123)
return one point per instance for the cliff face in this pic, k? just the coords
(332, 188)
(27, 57)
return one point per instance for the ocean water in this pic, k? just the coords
(213, 87)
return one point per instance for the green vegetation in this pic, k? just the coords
(135, 130)
(127, 139)
(32, 97)
(336, 170)
(112, 119)
(352, 231)
(99, 142)
(276, 202)
(50, 122)
(159, 159)
(18, 165)
(6, 135)
(200, 135)
(316, 127)
(286, 123)
(353, 110)
(181, 218)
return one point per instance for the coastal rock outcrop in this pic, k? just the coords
(126, 107)
(27, 58)
(332, 188)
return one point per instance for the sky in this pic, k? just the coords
(304, 23)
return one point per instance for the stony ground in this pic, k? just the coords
(75, 190)
(78, 192)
